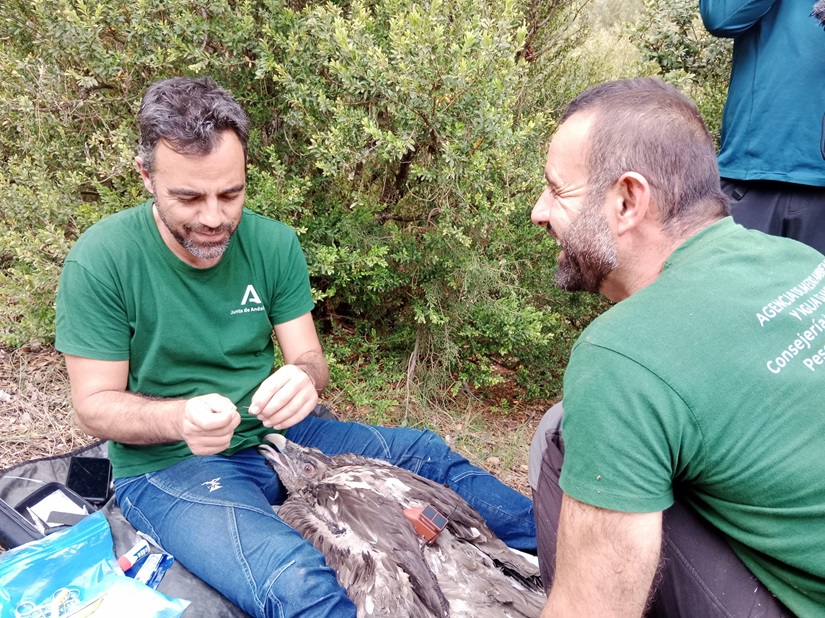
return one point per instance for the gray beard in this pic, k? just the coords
(204, 251)
(590, 253)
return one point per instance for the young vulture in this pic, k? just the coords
(352, 510)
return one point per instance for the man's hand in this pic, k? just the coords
(106, 410)
(284, 398)
(289, 395)
(208, 423)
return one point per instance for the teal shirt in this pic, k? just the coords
(710, 383)
(772, 128)
(186, 331)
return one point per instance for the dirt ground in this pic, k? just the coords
(36, 419)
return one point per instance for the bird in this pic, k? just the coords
(362, 515)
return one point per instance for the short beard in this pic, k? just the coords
(202, 250)
(590, 253)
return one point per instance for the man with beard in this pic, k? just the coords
(686, 478)
(166, 314)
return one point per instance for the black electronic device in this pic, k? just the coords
(90, 478)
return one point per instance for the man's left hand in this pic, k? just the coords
(284, 398)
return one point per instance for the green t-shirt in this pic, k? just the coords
(710, 383)
(186, 331)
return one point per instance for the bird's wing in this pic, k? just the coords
(325, 535)
(372, 548)
(414, 490)
(464, 521)
(476, 586)
(467, 525)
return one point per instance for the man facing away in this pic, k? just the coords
(166, 313)
(687, 477)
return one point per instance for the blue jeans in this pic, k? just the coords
(213, 514)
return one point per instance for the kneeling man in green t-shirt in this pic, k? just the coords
(687, 477)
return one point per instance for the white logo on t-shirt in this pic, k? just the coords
(250, 296)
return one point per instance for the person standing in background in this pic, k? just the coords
(772, 159)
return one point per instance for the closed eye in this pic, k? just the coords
(184, 197)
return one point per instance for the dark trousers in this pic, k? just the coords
(699, 576)
(779, 208)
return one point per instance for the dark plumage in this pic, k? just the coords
(819, 12)
(351, 509)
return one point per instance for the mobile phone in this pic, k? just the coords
(90, 478)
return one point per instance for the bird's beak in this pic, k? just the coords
(274, 457)
(276, 439)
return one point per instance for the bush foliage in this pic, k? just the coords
(403, 140)
(672, 37)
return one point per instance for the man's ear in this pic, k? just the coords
(632, 203)
(144, 175)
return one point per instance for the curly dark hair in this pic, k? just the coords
(189, 115)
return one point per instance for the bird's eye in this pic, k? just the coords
(309, 468)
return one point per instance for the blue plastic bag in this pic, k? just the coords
(74, 573)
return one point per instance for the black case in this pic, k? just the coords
(14, 528)
(47, 490)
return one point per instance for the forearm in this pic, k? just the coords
(571, 599)
(314, 364)
(288, 395)
(131, 418)
(605, 562)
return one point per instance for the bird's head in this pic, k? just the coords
(296, 466)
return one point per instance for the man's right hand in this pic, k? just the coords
(208, 423)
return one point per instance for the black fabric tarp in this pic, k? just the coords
(20, 481)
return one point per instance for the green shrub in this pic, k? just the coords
(402, 139)
(672, 36)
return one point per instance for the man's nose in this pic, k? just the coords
(210, 214)
(540, 215)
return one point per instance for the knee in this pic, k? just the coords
(418, 444)
(306, 587)
(432, 449)
(433, 443)
(548, 435)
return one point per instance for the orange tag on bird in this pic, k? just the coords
(427, 522)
